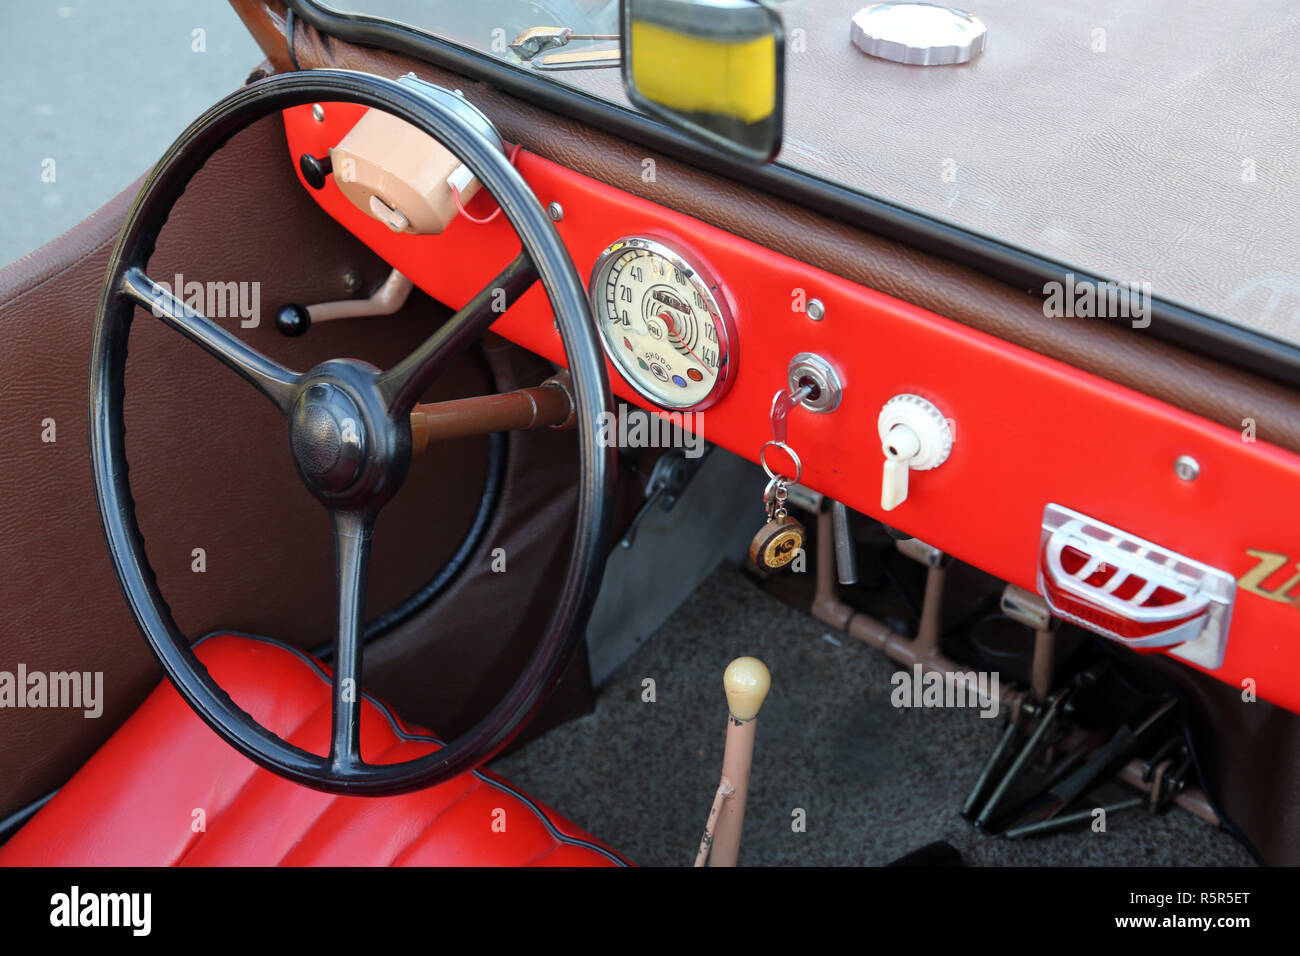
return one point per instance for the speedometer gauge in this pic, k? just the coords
(661, 324)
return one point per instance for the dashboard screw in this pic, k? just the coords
(816, 310)
(555, 211)
(318, 112)
(1187, 468)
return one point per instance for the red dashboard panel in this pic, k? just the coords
(1029, 430)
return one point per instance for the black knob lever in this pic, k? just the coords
(292, 319)
(315, 170)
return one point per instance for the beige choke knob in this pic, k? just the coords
(746, 682)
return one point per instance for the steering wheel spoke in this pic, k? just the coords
(403, 384)
(269, 377)
(352, 534)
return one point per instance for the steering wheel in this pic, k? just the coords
(349, 435)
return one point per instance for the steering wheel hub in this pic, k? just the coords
(328, 438)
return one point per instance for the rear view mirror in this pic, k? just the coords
(712, 68)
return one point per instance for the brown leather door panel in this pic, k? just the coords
(209, 464)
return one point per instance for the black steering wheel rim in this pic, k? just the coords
(543, 252)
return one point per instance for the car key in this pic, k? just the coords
(782, 536)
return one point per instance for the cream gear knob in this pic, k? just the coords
(746, 682)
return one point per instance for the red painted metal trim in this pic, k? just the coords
(1029, 429)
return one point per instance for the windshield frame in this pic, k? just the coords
(1171, 321)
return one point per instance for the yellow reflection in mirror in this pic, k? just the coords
(697, 74)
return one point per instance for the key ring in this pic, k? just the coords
(776, 489)
(762, 459)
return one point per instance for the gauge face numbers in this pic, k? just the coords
(660, 323)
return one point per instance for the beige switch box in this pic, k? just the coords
(395, 173)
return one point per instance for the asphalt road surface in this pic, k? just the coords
(91, 95)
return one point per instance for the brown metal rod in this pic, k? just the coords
(725, 789)
(926, 643)
(737, 757)
(548, 404)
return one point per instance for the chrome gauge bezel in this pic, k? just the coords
(701, 282)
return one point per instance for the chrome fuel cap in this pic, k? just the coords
(919, 34)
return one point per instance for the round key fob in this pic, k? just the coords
(776, 543)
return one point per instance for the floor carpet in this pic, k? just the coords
(872, 782)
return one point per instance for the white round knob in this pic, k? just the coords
(914, 434)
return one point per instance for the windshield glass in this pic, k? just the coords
(1153, 144)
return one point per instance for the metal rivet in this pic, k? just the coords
(318, 112)
(1187, 468)
(816, 310)
(351, 281)
(555, 211)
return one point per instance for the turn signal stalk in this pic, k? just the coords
(549, 404)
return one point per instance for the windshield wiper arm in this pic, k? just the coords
(536, 40)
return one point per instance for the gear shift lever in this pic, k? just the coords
(746, 682)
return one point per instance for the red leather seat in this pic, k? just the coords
(166, 790)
